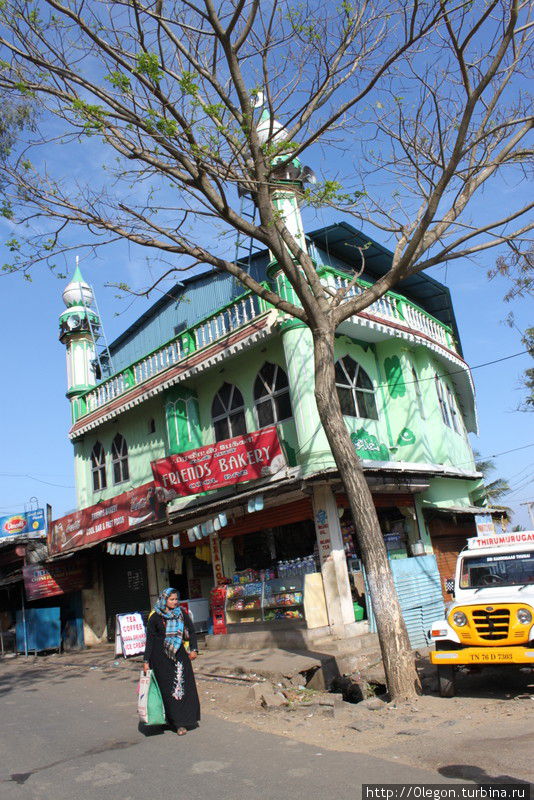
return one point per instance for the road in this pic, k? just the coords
(72, 734)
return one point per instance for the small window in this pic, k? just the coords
(442, 404)
(355, 390)
(98, 467)
(418, 394)
(152, 426)
(119, 459)
(271, 395)
(228, 413)
(179, 328)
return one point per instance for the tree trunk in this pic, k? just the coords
(401, 676)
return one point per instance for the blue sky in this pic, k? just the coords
(36, 416)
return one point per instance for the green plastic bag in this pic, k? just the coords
(149, 702)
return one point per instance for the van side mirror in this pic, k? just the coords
(449, 585)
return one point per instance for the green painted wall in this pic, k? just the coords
(242, 370)
(143, 447)
(399, 434)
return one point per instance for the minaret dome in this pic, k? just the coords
(77, 292)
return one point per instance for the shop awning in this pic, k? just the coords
(466, 510)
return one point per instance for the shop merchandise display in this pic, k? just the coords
(298, 566)
(276, 599)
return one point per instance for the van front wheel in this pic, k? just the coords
(446, 681)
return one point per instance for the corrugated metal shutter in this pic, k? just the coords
(125, 588)
(446, 549)
(270, 518)
(417, 581)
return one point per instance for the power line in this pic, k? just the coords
(33, 478)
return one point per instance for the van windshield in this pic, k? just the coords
(508, 569)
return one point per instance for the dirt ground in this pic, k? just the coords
(485, 733)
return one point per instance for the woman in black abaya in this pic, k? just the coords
(166, 655)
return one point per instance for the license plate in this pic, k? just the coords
(490, 658)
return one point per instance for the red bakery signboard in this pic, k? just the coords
(47, 581)
(108, 518)
(243, 458)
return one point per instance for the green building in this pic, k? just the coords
(207, 363)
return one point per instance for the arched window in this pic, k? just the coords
(355, 390)
(442, 404)
(271, 395)
(453, 411)
(418, 394)
(228, 413)
(98, 467)
(119, 459)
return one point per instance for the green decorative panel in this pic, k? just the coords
(406, 437)
(183, 421)
(368, 446)
(394, 377)
(290, 453)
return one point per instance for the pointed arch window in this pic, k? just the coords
(442, 402)
(228, 413)
(355, 389)
(453, 411)
(271, 395)
(119, 459)
(418, 394)
(98, 467)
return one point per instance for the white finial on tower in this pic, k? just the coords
(77, 292)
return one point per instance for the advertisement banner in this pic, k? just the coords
(243, 458)
(46, 581)
(29, 523)
(108, 518)
(131, 634)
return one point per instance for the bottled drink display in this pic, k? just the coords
(297, 566)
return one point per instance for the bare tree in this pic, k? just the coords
(425, 96)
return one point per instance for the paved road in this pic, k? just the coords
(72, 734)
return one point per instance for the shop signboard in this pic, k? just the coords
(243, 458)
(108, 518)
(130, 635)
(323, 534)
(501, 539)
(27, 523)
(53, 579)
(484, 525)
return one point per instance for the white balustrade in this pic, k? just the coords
(216, 327)
(390, 308)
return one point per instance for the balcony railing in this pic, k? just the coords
(394, 308)
(390, 308)
(228, 319)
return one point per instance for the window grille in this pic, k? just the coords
(355, 390)
(119, 459)
(271, 395)
(98, 467)
(228, 413)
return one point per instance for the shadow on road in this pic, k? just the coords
(477, 775)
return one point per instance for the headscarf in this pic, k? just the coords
(174, 623)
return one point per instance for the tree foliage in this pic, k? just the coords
(422, 100)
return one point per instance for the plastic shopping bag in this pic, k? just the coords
(149, 703)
